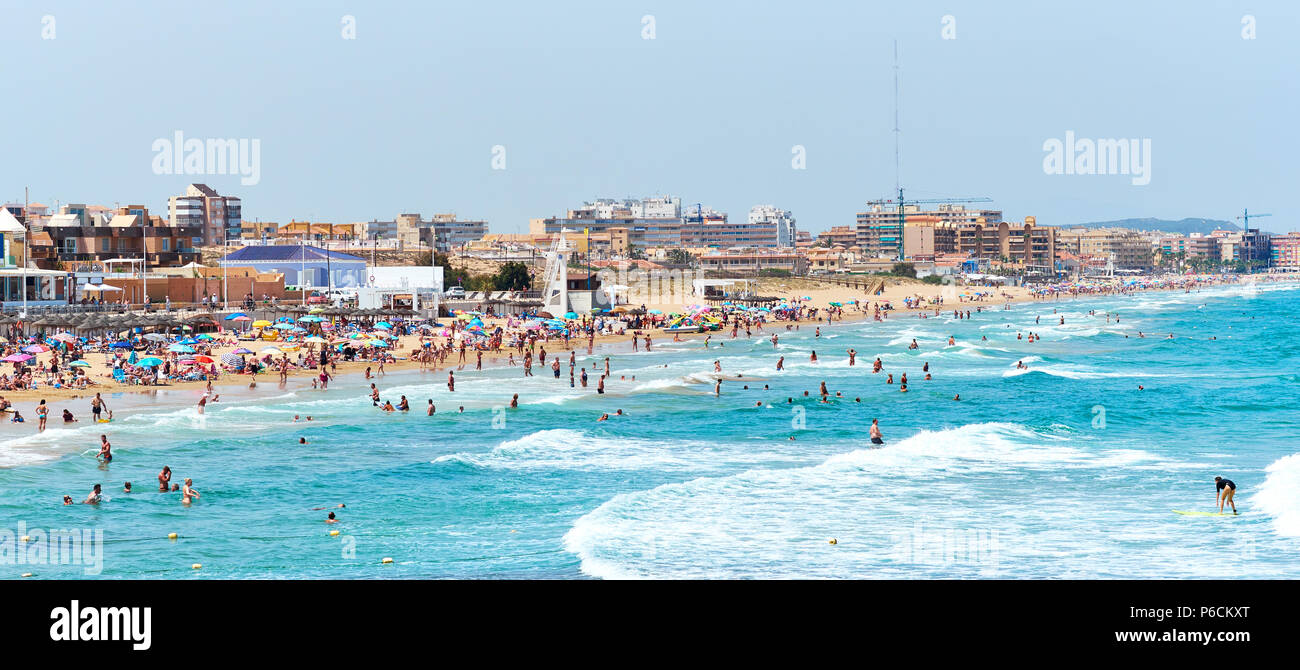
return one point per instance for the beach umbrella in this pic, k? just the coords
(241, 317)
(241, 350)
(261, 323)
(122, 345)
(203, 359)
(315, 339)
(17, 358)
(283, 326)
(189, 340)
(317, 310)
(234, 315)
(570, 315)
(233, 359)
(155, 337)
(655, 311)
(79, 364)
(377, 343)
(64, 337)
(36, 349)
(180, 348)
(272, 350)
(150, 362)
(546, 315)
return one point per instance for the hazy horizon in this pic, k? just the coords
(405, 117)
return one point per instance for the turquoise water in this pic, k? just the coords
(1066, 470)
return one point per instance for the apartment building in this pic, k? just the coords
(132, 232)
(219, 216)
(844, 236)
(444, 232)
(1128, 249)
(1285, 251)
(749, 262)
(786, 228)
(880, 235)
(1189, 245)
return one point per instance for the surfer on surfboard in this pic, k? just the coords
(1226, 489)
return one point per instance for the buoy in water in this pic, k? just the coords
(25, 538)
(333, 533)
(387, 560)
(196, 566)
(172, 536)
(27, 574)
(834, 541)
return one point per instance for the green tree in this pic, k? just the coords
(680, 257)
(904, 270)
(512, 276)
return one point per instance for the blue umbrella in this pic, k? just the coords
(180, 348)
(121, 345)
(236, 315)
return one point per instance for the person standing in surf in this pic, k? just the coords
(876, 437)
(1226, 489)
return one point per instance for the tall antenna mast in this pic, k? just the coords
(897, 131)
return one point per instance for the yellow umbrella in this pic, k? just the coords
(261, 323)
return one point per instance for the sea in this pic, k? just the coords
(1063, 468)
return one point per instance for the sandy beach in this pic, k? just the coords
(819, 294)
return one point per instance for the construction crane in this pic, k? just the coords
(902, 216)
(1246, 216)
(1251, 244)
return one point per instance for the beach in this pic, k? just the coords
(1063, 468)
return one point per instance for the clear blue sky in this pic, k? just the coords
(404, 117)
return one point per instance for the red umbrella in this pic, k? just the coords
(202, 359)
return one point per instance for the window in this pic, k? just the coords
(166, 244)
(103, 244)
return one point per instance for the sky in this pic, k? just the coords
(507, 111)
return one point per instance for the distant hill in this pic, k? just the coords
(1184, 226)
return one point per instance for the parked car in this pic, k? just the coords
(455, 292)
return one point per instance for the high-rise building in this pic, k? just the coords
(782, 218)
(878, 230)
(218, 216)
(1286, 251)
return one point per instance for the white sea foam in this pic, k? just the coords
(1279, 495)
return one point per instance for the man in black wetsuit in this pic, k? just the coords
(1226, 489)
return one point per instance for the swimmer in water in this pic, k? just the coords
(94, 497)
(876, 437)
(331, 518)
(105, 450)
(188, 494)
(164, 479)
